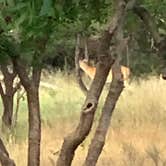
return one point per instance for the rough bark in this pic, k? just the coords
(8, 111)
(73, 140)
(115, 90)
(34, 135)
(4, 156)
(31, 86)
(99, 138)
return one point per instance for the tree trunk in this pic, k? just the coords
(74, 139)
(31, 86)
(34, 127)
(99, 138)
(7, 94)
(8, 111)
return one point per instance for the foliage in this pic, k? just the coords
(56, 23)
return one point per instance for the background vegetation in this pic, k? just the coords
(137, 132)
(134, 138)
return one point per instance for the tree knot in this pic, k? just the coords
(89, 107)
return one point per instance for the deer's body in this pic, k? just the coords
(90, 71)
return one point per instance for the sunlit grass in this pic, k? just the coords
(136, 136)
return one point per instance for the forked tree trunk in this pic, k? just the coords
(98, 141)
(7, 94)
(115, 90)
(73, 140)
(34, 127)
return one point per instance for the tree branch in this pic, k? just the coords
(77, 66)
(21, 70)
(148, 21)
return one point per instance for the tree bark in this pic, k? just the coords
(115, 90)
(7, 95)
(99, 138)
(8, 111)
(73, 140)
(31, 86)
(4, 156)
(34, 136)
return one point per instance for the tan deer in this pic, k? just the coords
(90, 71)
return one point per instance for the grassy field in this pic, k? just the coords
(136, 136)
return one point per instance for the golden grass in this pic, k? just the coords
(136, 136)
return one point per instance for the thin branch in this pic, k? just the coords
(77, 66)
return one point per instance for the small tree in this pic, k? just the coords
(8, 85)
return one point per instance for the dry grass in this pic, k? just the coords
(136, 136)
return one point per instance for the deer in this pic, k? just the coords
(90, 71)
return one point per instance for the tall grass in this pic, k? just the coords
(136, 136)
